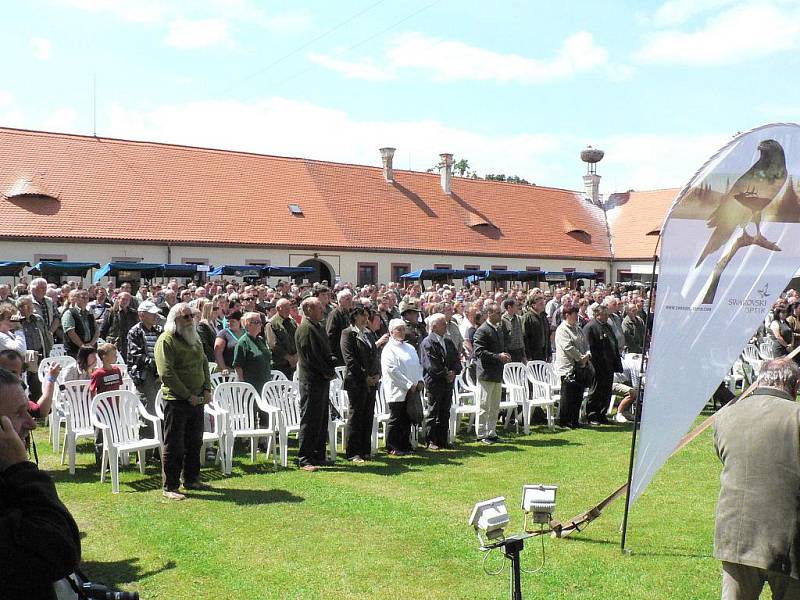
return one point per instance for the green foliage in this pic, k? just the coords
(396, 527)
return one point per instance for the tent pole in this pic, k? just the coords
(638, 413)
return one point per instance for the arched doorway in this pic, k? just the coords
(322, 271)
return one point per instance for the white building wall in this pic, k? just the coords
(343, 264)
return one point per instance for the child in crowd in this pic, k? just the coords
(106, 378)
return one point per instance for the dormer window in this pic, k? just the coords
(295, 209)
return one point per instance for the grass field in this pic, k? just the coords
(396, 527)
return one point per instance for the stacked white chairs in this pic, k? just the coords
(57, 418)
(465, 402)
(217, 378)
(543, 380)
(380, 418)
(539, 370)
(117, 414)
(278, 376)
(284, 404)
(239, 400)
(58, 350)
(213, 432)
(77, 404)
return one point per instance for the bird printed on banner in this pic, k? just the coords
(746, 200)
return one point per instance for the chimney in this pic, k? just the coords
(591, 188)
(387, 155)
(446, 171)
(591, 181)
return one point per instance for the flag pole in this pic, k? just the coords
(638, 412)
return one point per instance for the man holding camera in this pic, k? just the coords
(39, 540)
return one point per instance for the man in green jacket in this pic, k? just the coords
(186, 387)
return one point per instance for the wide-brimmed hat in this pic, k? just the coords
(410, 304)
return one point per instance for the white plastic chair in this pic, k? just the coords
(340, 373)
(239, 400)
(117, 414)
(77, 404)
(753, 360)
(465, 402)
(381, 417)
(278, 375)
(281, 396)
(340, 401)
(515, 384)
(766, 350)
(217, 378)
(56, 418)
(58, 350)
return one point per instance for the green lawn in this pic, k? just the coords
(396, 527)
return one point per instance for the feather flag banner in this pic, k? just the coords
(729, 246)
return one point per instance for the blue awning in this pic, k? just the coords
(436, 274)
(259, 271)
(13, 267)
(43, 267)
(506, 275)
(146, 270)
(176, 270)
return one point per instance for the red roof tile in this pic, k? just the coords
(635, 220)
(138, 191)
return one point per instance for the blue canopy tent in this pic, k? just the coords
(115, 269)
(12, 268)
(57, 267)
(259, 271)
(440, 274)
(573, 275)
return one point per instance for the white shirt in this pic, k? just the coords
(14, 340)
(400, 369)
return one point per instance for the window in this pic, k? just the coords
(499, 268)
(601, 276)
(400, 269)
(472, 267)
(367, 273)
(295, 209)
(128, 259)
(257, 262)
(194, 261)
(51, 257)
(533, 268)
(568, 269)
(442, 266)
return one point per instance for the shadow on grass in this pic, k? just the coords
(117, 574)
(645, 551)
(248, 497)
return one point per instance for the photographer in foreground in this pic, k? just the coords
(39, 540)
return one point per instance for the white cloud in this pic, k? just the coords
(447, 60)
(365, 69)
(291, 128)
(63, 120)
(677, 12)
(202, 33)
(42, 48)
(6, 98)
(745, 32)
(137, 11)
(650, 161)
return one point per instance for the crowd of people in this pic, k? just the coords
(404, 343)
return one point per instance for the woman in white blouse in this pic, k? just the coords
(11, 335)
(401, 376)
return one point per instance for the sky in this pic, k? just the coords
(513, 86)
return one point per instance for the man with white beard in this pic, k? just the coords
(186, 387)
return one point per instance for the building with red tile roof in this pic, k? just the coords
(72, 197)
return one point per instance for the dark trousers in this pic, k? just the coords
(517, 355)
(398, 428)
(313, 435)
(183, 438)
(437, 423)
(35, 387)
(286, 369)
(600, 396)
(359, 424)
(571, 398)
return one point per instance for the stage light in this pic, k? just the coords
(539, 502)
(490, 518)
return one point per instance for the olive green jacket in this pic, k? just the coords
(183, 368)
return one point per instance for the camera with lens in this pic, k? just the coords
(88, 590)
